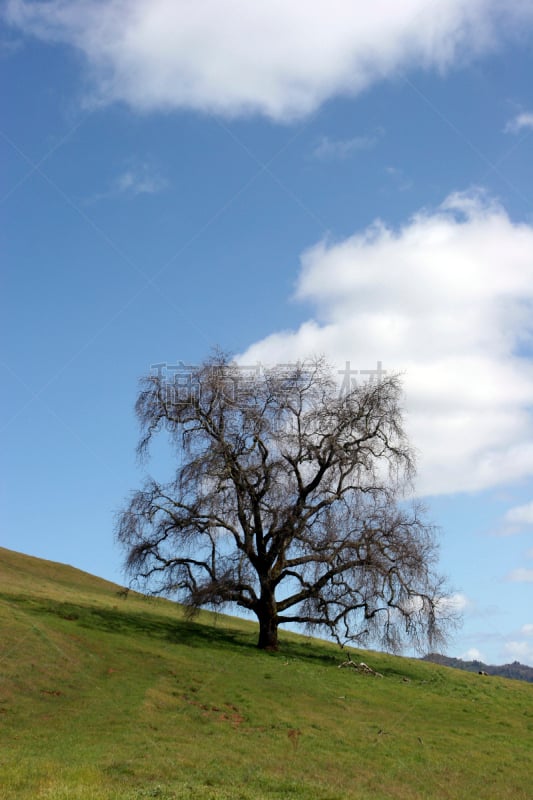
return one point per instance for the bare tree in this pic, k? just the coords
(289, 501)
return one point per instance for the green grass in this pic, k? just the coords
(104, 697)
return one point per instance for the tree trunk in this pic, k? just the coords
(268, 634)
(268, 624)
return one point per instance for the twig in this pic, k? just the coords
(361, 667)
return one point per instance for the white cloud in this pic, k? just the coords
(136, 179)
(450, 607)
(433, 301)
(520, 515)
(455, 603)
(521, 575)
(521, 121)
(277, 58)
(472, 654)
(519, 651)
(140, 179)
(331, 149)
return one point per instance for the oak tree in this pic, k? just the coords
(289, 500)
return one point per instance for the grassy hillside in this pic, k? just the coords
(103, 696)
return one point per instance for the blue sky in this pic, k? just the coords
(279, 180)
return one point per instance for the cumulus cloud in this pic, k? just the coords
(521, 575)
(451, 604)
(447, 300)
(140, 179)
(520, 122)
(473, 654)
(518, 648)
(520, 515)
(454, 603)
(519, 651)
(276, 58)
(136, 179)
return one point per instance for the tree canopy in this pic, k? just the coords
(288, 500)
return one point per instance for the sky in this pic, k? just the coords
(279, 180)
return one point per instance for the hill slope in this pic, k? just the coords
(103, 696)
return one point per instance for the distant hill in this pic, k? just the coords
(515, 670)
